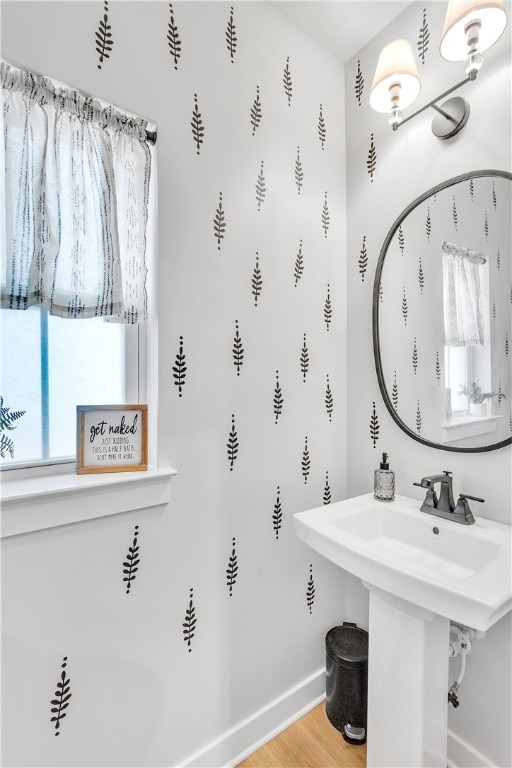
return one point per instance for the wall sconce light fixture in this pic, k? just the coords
(470, 27)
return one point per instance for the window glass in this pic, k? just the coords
(49, 366)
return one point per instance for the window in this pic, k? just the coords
(79, 192)
(49, 366)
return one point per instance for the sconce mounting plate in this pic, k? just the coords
(453, 116)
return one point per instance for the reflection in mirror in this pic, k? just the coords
(442, 315)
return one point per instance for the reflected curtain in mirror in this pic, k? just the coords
(462, 299)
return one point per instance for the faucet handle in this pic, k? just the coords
(473, 498)
(447, 472)
(462, 509)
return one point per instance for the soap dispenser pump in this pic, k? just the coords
(384, 481)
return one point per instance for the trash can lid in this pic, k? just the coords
(348, 644)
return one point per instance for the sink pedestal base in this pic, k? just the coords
(407, 684)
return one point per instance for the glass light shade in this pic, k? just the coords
(491, 14)
(396, 65)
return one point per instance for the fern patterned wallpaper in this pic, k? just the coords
(139, 639)
(385, 172)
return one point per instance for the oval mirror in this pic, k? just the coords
(442, 308)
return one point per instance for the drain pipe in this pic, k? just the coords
(460, 645)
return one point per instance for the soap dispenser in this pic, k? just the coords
(384, 481)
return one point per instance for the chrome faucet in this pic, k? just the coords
(444, 505)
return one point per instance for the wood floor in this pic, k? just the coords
(311, 742)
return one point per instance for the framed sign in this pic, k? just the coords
(111, 438)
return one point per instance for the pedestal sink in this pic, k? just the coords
(422, 572)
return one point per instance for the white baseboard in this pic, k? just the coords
(246, 737)
(464, 755)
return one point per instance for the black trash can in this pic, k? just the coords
(346, 685)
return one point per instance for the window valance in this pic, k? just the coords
(76, 187)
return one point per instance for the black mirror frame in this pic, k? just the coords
(375, 311)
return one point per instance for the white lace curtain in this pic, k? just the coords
(76, 190)
(462, 301)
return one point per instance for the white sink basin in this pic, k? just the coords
(462, 573)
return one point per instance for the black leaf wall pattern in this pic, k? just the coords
(287, 81)
(404, 307)
(454, 213)
(371, 160)
(501, 394)
(104, 39)
(278, 398)
(381, 292)
(322, 132)
(507, 346)
(62, 697)
(401, 239)
(261, 189)
(256, 112)
(486, 226)
(306, 461)
(418, 418)
(498, 260)
(219, 222)
(421, 276)
(190, 623)
(131, 563)
(428, 224)
(277, 515)
(310, 591)
(471, 189)
(197, 126)
(359, 86)
(179, 369)
(232, 569)
(238, 350)
(374, 426)
(328, 308)
(304, 359)
(299, 265)
(325, 216)
(363, 260)
(256, 281)
(232, 444)
(394, 393)
(494, 199)
(329, 402)
(231, 38)
(415, 357)
(173, 39)
(424, 38)
(493, 310)
(326, 498)
(438, 369)
(299, 173)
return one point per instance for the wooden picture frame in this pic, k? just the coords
(111, 438)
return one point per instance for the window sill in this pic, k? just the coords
(38, 502)
(461, 427)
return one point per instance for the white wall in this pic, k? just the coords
(409, 162)
(140, 694)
